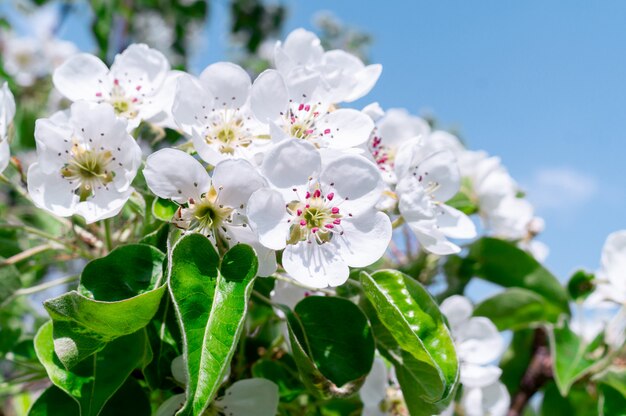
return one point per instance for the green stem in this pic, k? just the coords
(45, 286)
(107, 234)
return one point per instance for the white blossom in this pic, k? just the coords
(86, 162)
(344, 77)
(7, 112)
(214, 206)
(321, 214)
(131, 86)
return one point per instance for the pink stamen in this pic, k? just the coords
(299, 212)
(317, 193)
(307, 108)
(116, 81)
(314, 230)
(98, 94)
(303, 223)
(327, 131)
(300, 107)
(308, 195)
(337, 221)
(330, 196)
(335, 210)
(138, 87)
(329, 226)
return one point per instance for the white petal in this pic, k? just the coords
(98, 125)
(374, 389)
(268, 216)
(398, 125)
(51, 192)
(365, 81)
(250, 397)
(431, 239)
(346, 128)
(302, 48)
(105, 203)
(356, 181)
(455, 224)
(179, 369)
(5, 154)
(315, 265)
(478, 341)
(458, 309)
(164, 101)
(236, 180)
(82, 77)
(192, 103)
(266, 256)
(52, 138)
(173, 174)
(140, 66)
(473, 375)
(491, 400)
(291, 163)
(365, 238)
(373, 111)
(616, 329)
(303, 85)
(228, 83)
(269, 97)
(613, 262)
(171, 406)
(440, 169)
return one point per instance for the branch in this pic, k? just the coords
(539, 371)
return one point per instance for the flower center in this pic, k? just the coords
(300, 122)
(316, 218)
(206, 215)
(123, 105)
(228, 133)
(89, 168)
(383, 155)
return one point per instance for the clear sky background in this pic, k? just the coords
(540, 84)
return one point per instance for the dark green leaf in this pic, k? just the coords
(580, 285)
(517, 308)
(93, 381)
(9, 281)
(571, 357)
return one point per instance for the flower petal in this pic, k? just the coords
(455, 224)
(140, 66)
(315, 265)
(290, 164)
(347, 128)
(51, 192)
(354, 179)
(105, 203)
(250, 397)
(228, 83)
(5, 154)
(300, 48)
(458, 309)
(268, 217)
(172, 405)
(82, 77)
(365, 238)
(192, 104)
(478, 341)
(431, 239)
(236, 180)
(173, 174)
(269, 97)
(473, 375)
(374, 389)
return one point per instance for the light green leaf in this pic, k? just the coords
(9, 281)
(503, 263)
(428, 362)
(517, 308)
(93, 381)
(118, 298)
(211, 308)
(164, 209)
(332, 344)
(571, 357)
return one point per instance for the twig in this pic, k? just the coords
(45, 286)
(29, 253)
(539, 371)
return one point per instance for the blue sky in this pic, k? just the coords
(541, 84)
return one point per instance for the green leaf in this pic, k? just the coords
(211, 307)
(283, 372)
(129, 400)
(515, 360)
(578, 402)
(571, 357)
(332, 344)
(93, 381)
(612, 389)
(517, 308)
(122, 284)
(503, 263)
(429, 366)
(580, 285)
(164, 209)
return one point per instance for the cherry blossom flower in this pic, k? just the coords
(214, 206)
(24, 59)
(344, 76)
(214, 110)
(478, 344)
(7, 112)
(86, 161)
(294, 110)
(321, 214)
(130, 86)
(427, 179)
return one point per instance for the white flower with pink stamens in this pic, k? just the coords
(214, 111)
(292, 107)
(214, 206)
(321, 214)
(131, 86)
(427, 179)
(7, 112)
